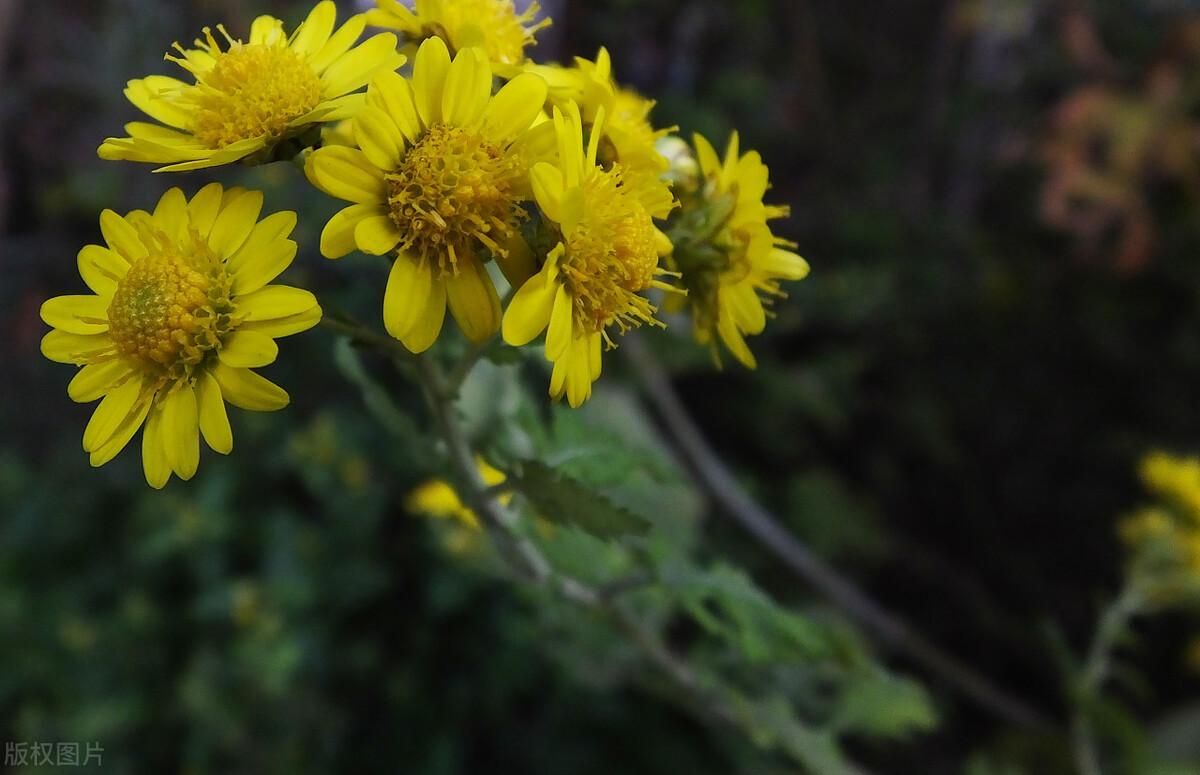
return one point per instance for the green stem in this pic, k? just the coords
(1095, 673)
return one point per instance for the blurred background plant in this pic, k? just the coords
(998, 201)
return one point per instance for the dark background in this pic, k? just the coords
(1001, 319)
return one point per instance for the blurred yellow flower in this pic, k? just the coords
(1175, 479)
(253, 95)
(494, 26)
(607, 254)
(437, 498)
(737, 258)
(440, 172)
(181, 313)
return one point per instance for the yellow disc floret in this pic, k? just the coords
(453, 189)
(609, 257)
(253, 90)
(171, 309)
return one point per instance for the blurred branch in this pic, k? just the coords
(724, 489)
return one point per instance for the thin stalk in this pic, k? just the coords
(723, 488)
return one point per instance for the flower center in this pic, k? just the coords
(610, 256)
(253, 90)
(454, 190)
(171, 309)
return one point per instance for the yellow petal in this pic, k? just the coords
(594, 356)
(204, 207)
(247, 390)
(154, 455)
(744, 307)
(121, 236)
(181, 431)
(561, 332)
(429, 324)
(354, 69)
(393, 95)
(733, 340)
(77, 314)
(547, 182)
(337, 238)
(429, 76)
(147, 94)
(170, 214)
(314, 31)
(339, 43)
(473, 301)
(111, 412)
(261, 266)
(515, 106)
(285, 326)
(709, 163)
(406, 295)
(275, 301)
(214, 420)
(121, 436)
(785, 264)
(101, 268)
(379, 137)
(95, 379)
(467, 87)
(235, 222)
(346, 173)
(248, 349)
(266, 30)
(529, 311)
(64, 347)
(376, 234)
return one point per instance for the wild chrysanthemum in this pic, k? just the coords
(440, 175)
(734, 257)
(606, 254)
(491, 25)
(181, 313)
(250, 97)
(628, 137)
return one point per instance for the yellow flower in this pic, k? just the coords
(491, 25)
(250, 97)
(181, 312)
(437, 498)
(441, 173)
(1176, 479)
(737, 258)
(628, 137)
(607, 252)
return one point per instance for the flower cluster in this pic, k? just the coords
(525, 199)
(1164, 538)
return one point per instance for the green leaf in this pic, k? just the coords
(726, 603)
(562, 500)
(878, 704)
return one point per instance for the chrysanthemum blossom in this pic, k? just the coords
(629, 138)
(607, 255)
(740, 260)
(253, 95)
(491, 25)
(181, 312)
(440, 176)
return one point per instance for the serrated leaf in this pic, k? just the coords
(560, 499)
